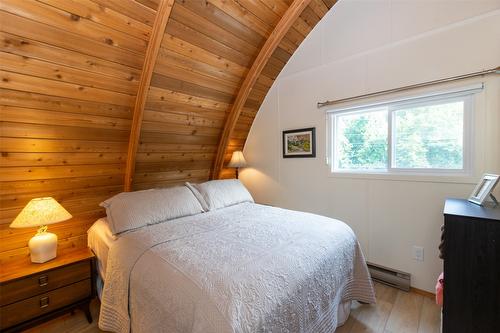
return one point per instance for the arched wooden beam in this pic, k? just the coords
(258, 65)
(157, 32)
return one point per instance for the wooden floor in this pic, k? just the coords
(395, 312)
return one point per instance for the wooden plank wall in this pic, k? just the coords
(69, 75)
(206, 52)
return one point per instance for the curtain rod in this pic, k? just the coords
(413, 86)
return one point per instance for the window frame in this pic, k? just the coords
(467, 96)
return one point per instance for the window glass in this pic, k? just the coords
(429, 136)
(362, 140)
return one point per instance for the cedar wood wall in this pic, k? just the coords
(69, 76)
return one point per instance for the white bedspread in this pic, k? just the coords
(245, 268)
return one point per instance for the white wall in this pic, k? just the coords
(361, 47)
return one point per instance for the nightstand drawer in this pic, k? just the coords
(18, 312)
(36, 284)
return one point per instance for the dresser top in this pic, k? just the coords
(25, 267)
(462, 207)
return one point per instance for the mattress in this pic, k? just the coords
(100, 240)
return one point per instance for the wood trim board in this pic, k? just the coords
(162, 16)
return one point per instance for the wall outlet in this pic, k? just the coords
(418, 253)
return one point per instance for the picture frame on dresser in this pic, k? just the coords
(484, 189)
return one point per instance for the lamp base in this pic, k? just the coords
(43, 247)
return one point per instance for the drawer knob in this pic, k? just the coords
(44, 302)
(43, 280)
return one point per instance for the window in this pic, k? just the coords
(420, 135)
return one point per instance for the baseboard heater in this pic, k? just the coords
(389, 276)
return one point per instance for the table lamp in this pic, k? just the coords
(237, 161)
(39, 213)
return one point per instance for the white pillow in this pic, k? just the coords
(216, 194)
(198, 196)
(132, 210)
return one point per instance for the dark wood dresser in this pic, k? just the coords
(33, 293)
(471, 268)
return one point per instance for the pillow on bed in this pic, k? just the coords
(132, 210)
(217, 194)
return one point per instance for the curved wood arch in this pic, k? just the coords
(265, 53)
(161, 19)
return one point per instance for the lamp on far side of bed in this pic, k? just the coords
(39, 213)
(237, 161)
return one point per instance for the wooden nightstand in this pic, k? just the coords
(33, 293)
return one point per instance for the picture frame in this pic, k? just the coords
(299, 143)
(484, 188)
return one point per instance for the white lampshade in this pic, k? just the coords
(40, 211)
(237, 160)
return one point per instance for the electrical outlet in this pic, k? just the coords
(418, 253)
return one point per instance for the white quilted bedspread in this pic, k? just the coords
(245, 268)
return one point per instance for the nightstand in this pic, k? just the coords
(33, 293)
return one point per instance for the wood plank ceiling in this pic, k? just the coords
(70, 76)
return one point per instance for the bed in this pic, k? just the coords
(242, 267)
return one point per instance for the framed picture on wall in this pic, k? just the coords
(299, 143)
